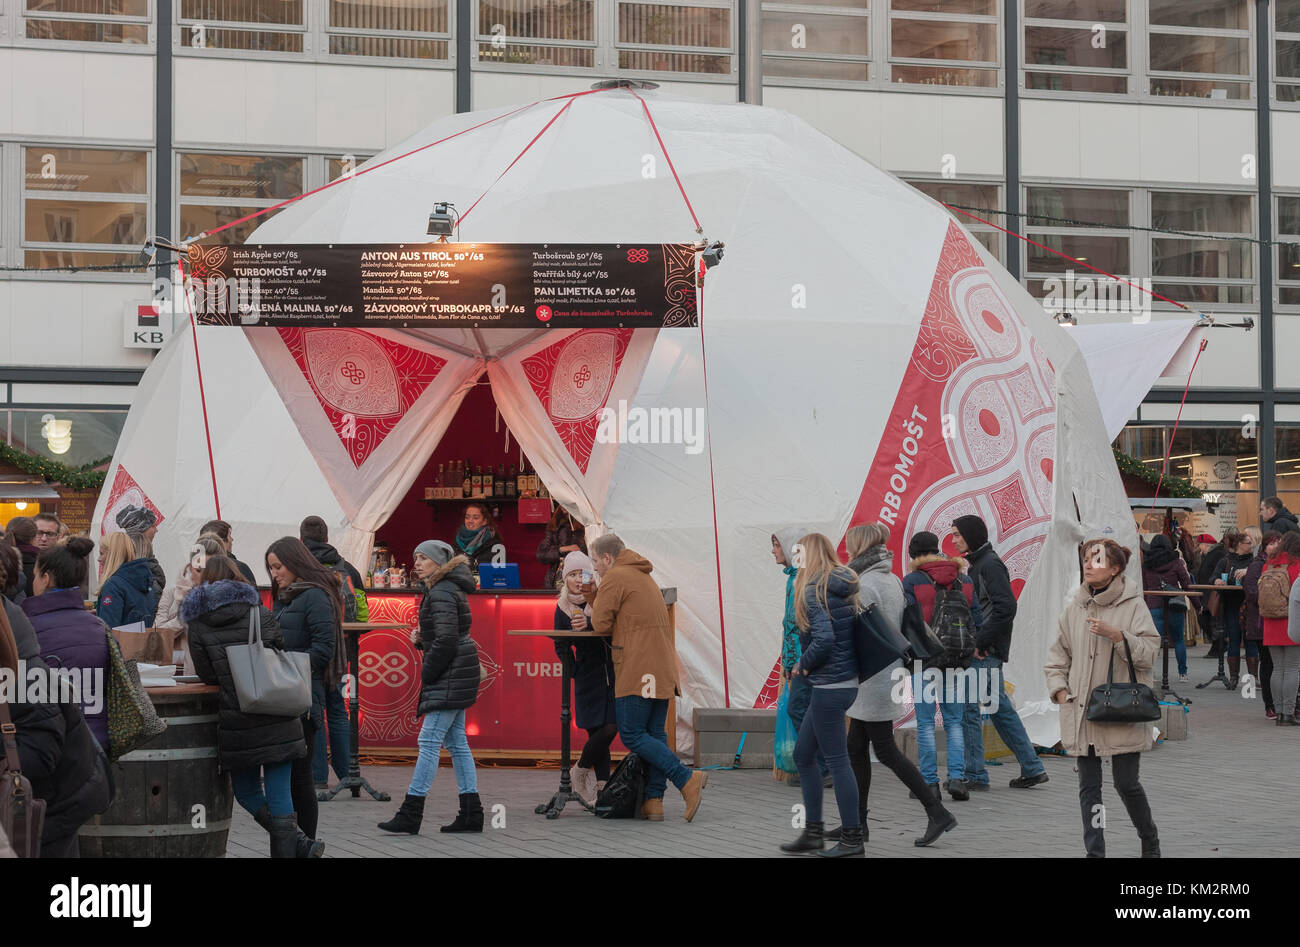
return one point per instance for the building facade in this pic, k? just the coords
(1154, 139)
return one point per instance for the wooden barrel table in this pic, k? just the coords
(171, 801)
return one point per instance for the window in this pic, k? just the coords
(87, 21)
(1200, 48)
(83, 206)
(1203, 269)
(1286, 39)
(672, 37)
(537, 32)
(416, 29)
(218, 189)
(252, 25)
(1076, 46)
(94, 432)
(1103, 240)
(944, 42)
(1286, 451)
(814, 40)
(344, 166)
(982, 200)
(1288, 252)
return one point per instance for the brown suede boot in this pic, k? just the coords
(1234, 672)
(653, 810)
(693, 791)
(1252, 668)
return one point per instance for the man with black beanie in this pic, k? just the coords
(970, 537)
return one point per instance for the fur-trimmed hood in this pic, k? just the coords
(213, 595)
(961, 564)
(455, 569)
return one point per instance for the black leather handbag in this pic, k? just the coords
(1122, 703)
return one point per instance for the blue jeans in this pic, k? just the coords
(1007, 723)
(796, 707)
(257, 786)
(1171, 623)
(443, 727)
(823, 730)
(641, 726)
(953, 727)
(1231, 612)
(335, 713)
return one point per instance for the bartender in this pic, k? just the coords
(477, 537)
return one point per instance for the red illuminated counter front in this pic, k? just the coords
(518, 701)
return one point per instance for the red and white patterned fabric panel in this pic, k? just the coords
(123, 493)
(572, 380)
(364, 383)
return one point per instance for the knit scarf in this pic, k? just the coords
(870, 557)
(469, 540)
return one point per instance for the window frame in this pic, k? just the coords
(999, 186)
(1139, 31)
(14, 247)
(252, 203)
(1251, 230)
(1281, 282)
(864, 13)
(21, 15)
(1042, 22)
(1031, 231)
(594, 44)
(1274, 37)
(997, 67)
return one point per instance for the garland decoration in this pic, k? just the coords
(85, 477)
(1173, 486)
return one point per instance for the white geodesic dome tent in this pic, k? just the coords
(866, 359)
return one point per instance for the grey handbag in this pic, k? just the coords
(268, 681)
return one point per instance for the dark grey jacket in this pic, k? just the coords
(997, 601)
(449, 676)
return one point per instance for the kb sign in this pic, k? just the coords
(145, 325)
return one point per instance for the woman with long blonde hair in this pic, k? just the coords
(126, 589)
(826, 607)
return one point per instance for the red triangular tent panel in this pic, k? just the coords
(125, 492)
(364, 383)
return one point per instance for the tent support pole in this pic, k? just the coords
(203, 398)
(713, 498)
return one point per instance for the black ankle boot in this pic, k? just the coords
(813, 839)
(940, 821)
(283, 829)
(408, 818)
(263, 817)
(1151, 847)
(470, 817)
(850, 844)
(308, 847)
(833, 835)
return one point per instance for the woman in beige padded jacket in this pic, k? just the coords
(1104, 613)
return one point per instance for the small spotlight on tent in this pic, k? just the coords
(151, 246)
(1066, 319)
(442, 223)
(712, 254)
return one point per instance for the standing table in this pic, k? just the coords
(1165, 689)
(1221, 674)
(565, 793)
(352, 632)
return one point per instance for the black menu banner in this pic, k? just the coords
(453, 285)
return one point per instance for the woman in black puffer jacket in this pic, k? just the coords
(257, 750)
(826, 609)
(449, 682)
(56, 751)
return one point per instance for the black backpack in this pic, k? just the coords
(954, 625)
(623, 794)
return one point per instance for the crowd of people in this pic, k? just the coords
(956, 613)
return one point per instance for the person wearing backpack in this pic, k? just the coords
(935, 579)
(333, 729)
(1282, 634)
(1164, 571)
(970, 537)
(1252, 623)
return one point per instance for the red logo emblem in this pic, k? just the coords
(544, 313)
(638, 255)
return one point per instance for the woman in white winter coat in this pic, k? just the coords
(1104, 614)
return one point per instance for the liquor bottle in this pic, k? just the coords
(542, 491)
(442, 475)
(477, 490)
(512, 484)
(499, 484)
(488, 483)
(532, 481)
(466, 484)
(521, 482)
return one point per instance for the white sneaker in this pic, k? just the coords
(1184, 679)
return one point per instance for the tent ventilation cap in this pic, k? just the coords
(624, 84)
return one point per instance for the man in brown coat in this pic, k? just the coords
(629, 604)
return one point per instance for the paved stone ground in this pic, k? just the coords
(1216, 795)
